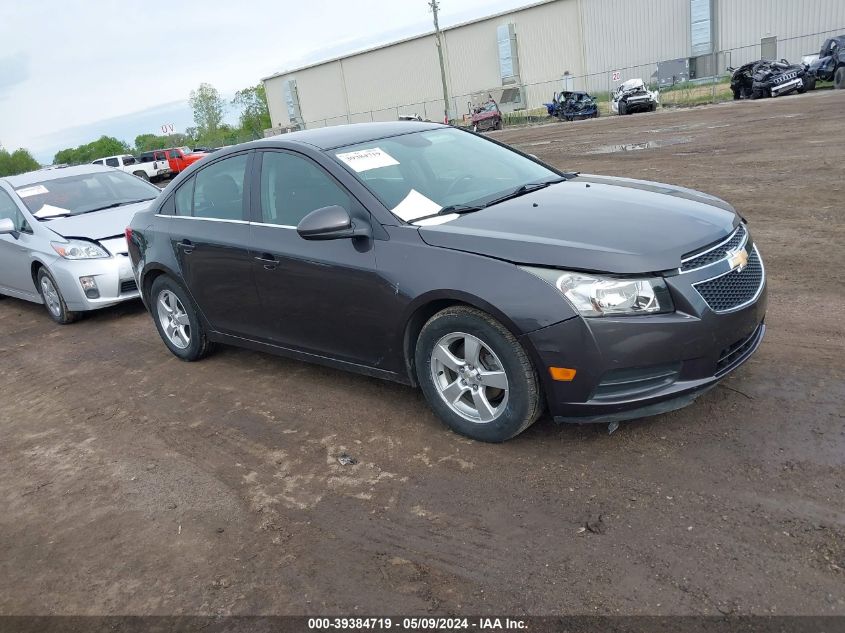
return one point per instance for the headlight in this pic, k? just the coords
(595, 296)
(79, 249)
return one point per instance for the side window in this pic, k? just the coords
(184, 198)
(9, 211)
(293, 186)
(129, 160)
(219, 189)
(174, 153)
(97, 162)
(112, 162)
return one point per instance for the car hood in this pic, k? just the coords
(594, 223)
(97, 225)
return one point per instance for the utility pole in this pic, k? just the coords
(433, 5)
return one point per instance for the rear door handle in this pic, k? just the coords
(187, 246)
(270, 262)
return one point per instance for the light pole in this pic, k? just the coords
(433, 5)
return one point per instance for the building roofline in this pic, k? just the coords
(410, 38)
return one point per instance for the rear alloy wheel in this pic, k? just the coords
(476, 376)
(53, 300)
(177, 320)
(839, 78)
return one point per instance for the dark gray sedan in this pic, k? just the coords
(434, 257)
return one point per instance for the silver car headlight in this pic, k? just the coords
(596, 295)
(79, 249)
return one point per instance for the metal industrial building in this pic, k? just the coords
(522, 56)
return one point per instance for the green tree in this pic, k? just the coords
(147, 142)
(102, 147)
(18, 162)
(255, 115)
(208, 107)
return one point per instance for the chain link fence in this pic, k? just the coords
(702, 80)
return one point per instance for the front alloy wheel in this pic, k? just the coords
(53, 300)
(476, 376)
(469, 377)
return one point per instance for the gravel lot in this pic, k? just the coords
(132, 483)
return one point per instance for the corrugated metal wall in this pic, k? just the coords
(632, 36)
(588, 38)
(743, 23)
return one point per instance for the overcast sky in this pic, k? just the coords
(73, 70)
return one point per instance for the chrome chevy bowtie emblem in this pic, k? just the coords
(738, 260)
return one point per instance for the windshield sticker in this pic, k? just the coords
(49, 211)
(36, 190)
(367, 159)
(414, 206)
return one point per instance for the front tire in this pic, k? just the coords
(623, 108)
(476, 376)
(839, 78)
(809, 83)
(53, 299)
(177, 320)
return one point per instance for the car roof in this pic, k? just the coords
(351, 134)
(44, 175)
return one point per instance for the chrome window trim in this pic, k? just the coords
(190, 217)
(713, 248)
(742, 305)
(277, 226)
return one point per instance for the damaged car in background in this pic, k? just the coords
(633, 96)
(62, 239)
(828, 64)
(570, 105)
(768, 78)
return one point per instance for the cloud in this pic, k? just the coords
(13, 70)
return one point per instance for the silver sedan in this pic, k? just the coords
(62, 240)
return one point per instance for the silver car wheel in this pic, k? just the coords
(469, 377)
(51, 296)
(173, 319)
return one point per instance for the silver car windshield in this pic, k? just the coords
(83, 193)
(416, 175)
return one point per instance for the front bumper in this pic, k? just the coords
(630, 367)
(113, 276)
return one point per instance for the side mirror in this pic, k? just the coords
(330, 223)
(7, 227)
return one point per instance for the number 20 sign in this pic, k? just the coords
(615, 75)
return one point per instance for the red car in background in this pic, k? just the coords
(179, 158)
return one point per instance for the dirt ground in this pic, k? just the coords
(133, 483)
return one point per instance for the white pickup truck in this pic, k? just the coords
(152, 171)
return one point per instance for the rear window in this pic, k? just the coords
(73, 195)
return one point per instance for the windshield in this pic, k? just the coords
(83, 193)
(415, 175)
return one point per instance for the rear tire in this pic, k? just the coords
(53, 300)
(177, 320)
(142, 175)
(483, 385)
(839, 78)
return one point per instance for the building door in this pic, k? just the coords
(769, 48)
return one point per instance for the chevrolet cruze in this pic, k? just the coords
(62, 237)
(431, 256)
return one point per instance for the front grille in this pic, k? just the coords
(634, 382)
(715, 252)
(736, 288)
(127, 287)
(733, 354)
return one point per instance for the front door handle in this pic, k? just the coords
(187, 246)
(270, 262)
